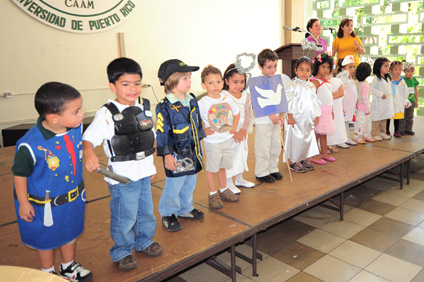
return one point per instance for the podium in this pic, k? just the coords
(289, 54)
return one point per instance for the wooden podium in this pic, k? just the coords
(289, 54)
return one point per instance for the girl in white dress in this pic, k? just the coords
(234, 86)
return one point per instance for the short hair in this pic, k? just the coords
(52, 97)
(303, 60)
(229, 72)
(376, 69)
(209, 69)
(394, 63)
(342, 24)
(173, 81)
(265, 55)
(339, 65)
(326, 59)
(309, 25)
(363, 71)
(121, 66)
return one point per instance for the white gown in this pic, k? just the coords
(339, 135)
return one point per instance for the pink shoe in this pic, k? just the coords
(328, 159)
(320, 162)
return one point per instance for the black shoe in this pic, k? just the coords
(409, 132)
(267, 178)
(194, 214)
(75, 272)
(277, 175)
(171, 223)
(306, 164)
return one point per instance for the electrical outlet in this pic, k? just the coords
(8, 94)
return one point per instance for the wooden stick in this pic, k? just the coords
(284, 153)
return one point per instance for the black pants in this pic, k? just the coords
(395, 121)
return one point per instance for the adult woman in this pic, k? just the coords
(314, 27)
(347, 43)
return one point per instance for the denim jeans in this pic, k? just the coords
(177, 195)
(131, 210)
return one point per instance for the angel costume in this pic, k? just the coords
(305, 106)
(362, 114)
(339, 136)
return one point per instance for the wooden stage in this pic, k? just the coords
(220, 230)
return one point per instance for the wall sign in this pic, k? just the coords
(84, 16)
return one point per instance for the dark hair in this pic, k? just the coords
(326, 59)
(265, 55)
(52, 97)
(229, 72)
(303, 60)
(342, 24)
(309, 25)
(121, 66)
(209, 69)
(363, 71)
(394, 63)
(376, 69)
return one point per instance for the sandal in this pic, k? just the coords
(332, 149)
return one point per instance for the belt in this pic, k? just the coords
(133, 157)
(58, 200)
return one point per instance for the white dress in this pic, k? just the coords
(400, 96)
(339, 135)
(304, 105)
(350, 95)
(381, 109)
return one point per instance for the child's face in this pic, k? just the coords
(269, 68)
(348, 28)
(72, 115)
(183, 85)
(409, 72)
(127, 89)
(385, 68)
(213, 84)
(324, 70)
(303, 71)
(236, 83)
(396, 70)
(350, 68)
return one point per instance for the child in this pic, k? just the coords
(221, 117)
(405, 126)
(323, 64)
(235, 87)
(346, 71)
(382, 102)
(268, 129)
(48, 182)
(179, 131)
(126, 130)
(303, 114)
(362, 104)
(400, 97)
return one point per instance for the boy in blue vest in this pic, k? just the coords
(48, 183)
(125, 128)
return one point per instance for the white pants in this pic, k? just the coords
(361, 125)
(267, 148)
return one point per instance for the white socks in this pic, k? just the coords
(48, 270)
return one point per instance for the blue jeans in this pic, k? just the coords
(177, 195)
(131, 210)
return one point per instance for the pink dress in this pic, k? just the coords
(325, 125)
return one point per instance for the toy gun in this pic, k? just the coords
(110, 174)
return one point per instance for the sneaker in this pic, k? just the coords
(351, 142)
(397, 134)
(127, 263)
(388, 133)
(194, 214)
(215, 202)
(385, 136)
(267, 178)
(409, 132)
(307, 165)
(402, 133)
(53, 272)
(359, 140)
(244, 183)
(369, 139)
(276, 175)
(343, 146)
(228, 196)
(377, 138)
(298, 167)
(76, 273)
(154, 250)
(171, 223)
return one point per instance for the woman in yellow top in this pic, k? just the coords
(347, 43)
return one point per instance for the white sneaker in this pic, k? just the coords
(351, 142)
(384, 136)
(343, 146)
(245, 183)
(378, 138)
(233, 188)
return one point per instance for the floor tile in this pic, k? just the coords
(298, 255)
(317, 216)
(271, 269)
(330, 269)
(271, 241)
(243, 249)
(392, 227)
(414, 205)
(355, 254)
(294, 229)
(361, 217)
(321, 240)
(416, 236)
(303, 277)
(393, 268)
(359, 195)
(240, 278)
(419, 196)
(203, 273)
(174, 279)
(408, 191)
(407, 251)
(377, 207)
(406, 216)
(381, 184)
(419, 277)
(374, 239)
(345, 229)
(365, 276)
(390, 198)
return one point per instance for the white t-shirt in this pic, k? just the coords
(102, 129)
(218, 114)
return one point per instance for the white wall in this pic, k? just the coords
(197, 32)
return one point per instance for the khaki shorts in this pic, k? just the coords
(219, 155)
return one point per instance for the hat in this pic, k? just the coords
(348, 60)
(408, 65)
(170, 67)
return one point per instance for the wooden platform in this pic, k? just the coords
(258, 209)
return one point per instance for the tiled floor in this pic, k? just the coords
(380, 239)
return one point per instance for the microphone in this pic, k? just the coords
(298, 29)
(329, 28)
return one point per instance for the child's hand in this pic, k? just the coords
(367, 113)
(316, 121)
(416, 104)
(242, 133)
(209, 131)
(26, 211)
(233, 130)
(152, 176)
(281, 118)
(170, 162)
(92, 162)
(290, 119)
(274, 119)
(384, 96)
(332, 114)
